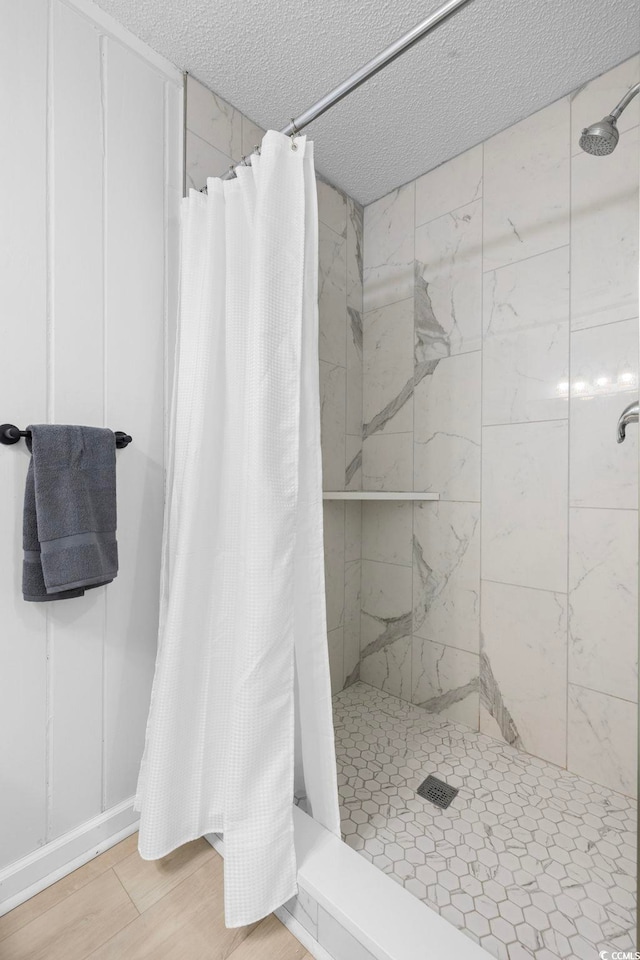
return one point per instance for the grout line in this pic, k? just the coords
(212, 145)
(447, 213)
(523, 586)
(360, 507)
(383, 306)
(414, 505)
(573, 506)
(339, 236)
(532, 256)
(390, 563)
(185, 96)
(344, 485)
(605, 323)
(330, 363)
(480, 512)
(569, 409)
(524, 423)
(601, 693)
(447, 646)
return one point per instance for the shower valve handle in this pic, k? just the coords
(629, 415)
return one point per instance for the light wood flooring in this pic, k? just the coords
(120, 907)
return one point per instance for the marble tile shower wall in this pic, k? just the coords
(340, 347)
(217, 135)
(500, 344)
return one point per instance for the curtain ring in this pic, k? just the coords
(294, 133)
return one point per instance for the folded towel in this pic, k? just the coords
(69, 521)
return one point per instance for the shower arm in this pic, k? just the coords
(626, 100)
(382, 60)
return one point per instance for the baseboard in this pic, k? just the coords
(28, 876)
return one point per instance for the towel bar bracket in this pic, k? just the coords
(9, 434)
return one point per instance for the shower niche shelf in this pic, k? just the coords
(379, 495)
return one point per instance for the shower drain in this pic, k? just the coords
(437, 791)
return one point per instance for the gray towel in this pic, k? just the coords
(69, 522)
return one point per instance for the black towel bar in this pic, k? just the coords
(9, 433)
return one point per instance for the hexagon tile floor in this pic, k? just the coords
(529, 860)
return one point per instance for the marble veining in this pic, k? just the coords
(388, 368)
(448, 252)
(446, 573)
(389, 669)
(443, 701)
(389, 251)
(492, 701)
(355, 326)
(432, 341)
(524, 639)
(529, 861)
(447, 428)
(391, 629)
(382, 418)
(355, 216)
(445, 681)
(354, 465)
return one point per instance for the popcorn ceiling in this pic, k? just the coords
(490, 65)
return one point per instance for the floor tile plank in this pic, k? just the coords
(75, 925)
(147, 881)
(186, 924)
(36, 906)
(270, 941)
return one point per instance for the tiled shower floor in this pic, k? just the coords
(529, 860)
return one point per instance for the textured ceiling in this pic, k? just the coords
(489, 65)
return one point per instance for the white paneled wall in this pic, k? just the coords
(91, 180)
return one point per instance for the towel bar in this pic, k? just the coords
(9, 433)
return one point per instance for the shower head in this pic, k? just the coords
(600, 138)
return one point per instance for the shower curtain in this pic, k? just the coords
(241, 694)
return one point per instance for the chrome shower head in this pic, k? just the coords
(600, 138)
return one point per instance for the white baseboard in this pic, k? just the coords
(28, 876)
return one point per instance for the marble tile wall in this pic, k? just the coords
(217, 135)
(500, 344)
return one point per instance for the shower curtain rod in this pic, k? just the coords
(385, 57)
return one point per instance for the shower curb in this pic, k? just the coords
(350, 910)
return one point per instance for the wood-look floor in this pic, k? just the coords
(120, 907)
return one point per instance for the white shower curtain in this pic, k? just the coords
(242, 669)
